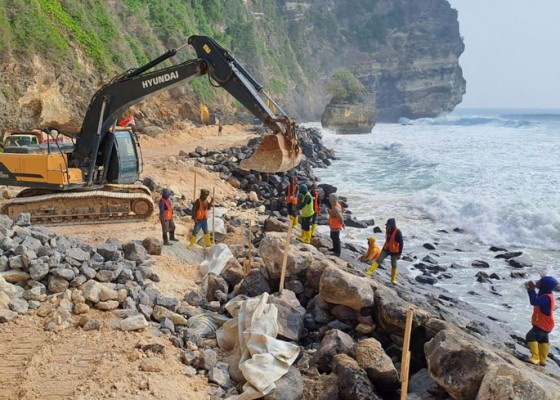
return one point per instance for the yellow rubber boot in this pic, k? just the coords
(372, 268)
(544, 348)
(534, 349)
(192, 242)
(313, 229)
(308, 237)
(394, 276)
(295, 221)
(303, 236)
(207, 240)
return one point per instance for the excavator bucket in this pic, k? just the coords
(276, 153)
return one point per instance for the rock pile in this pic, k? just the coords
(348, 326)
(269, 190)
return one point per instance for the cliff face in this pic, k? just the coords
(55, 55)
(405, 52)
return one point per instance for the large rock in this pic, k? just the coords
(350, 118)
(353, 383)
(390, 311)
(290, 314)
(507, 382)
(335, 342)
(288, 387)
(271, 250)
(341, 287)
(458, 363)
(377, 364)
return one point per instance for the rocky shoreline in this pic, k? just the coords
(348, 326)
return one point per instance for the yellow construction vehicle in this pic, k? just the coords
(94, 179)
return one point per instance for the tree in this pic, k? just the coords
(344, 87)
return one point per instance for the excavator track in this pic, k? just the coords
(91, 207)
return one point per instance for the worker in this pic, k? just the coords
(306, 206)
(372, 254)
(543, 318)
(166, 217)
(200, 217)
(336, 223)
(393, 247)
(316, 208)
(292, 200)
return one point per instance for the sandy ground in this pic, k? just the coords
(75, 364)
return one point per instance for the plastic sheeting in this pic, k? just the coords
(207, 323)
(215, 259)
(251, 334)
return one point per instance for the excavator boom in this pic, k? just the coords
(105, 160)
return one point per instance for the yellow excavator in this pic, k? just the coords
(94, 179)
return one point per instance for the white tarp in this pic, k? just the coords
(215, 259)
(251, 334)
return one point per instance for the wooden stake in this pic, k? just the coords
(213, 215)
(194, 189)
(285, 259)
(249, 253)
(405, 362)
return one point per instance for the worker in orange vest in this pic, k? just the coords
(200, 216)
(336, 222)
(315, 193)
(292, 201)
(393, 247)
(542, 319)
(166, 217)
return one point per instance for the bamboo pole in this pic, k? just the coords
(285, 259)
(405, 361)
(213, 215)
(250, 252)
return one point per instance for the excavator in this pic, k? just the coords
(94, 179)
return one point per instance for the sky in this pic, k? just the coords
(512, 53)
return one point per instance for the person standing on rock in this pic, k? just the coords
(307, 212)
(393, 247)
(200, 217)
(292, 201)
(542, 319)
(166, 217)
(336, 223)
(316, 208)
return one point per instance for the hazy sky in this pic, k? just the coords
(512, 52)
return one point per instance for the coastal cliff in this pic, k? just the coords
(55, 55)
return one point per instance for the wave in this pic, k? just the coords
(523, 122)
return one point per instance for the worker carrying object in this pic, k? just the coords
(307, 212)
(373, 252)
(200, 217)
(316, 208)
(393, 247)
(543, 318)
(292, 200)
(166, 217)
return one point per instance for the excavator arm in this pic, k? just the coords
(95, 143)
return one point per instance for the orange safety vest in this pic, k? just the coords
(334, 222)
(291, 197)
(316, 203)
(391, 243)
(168, 211)
(542, 321)
(201, 212)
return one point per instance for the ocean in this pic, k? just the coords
(463, 182)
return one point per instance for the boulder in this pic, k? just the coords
(350, 118)
(377, 364)
(271, 250)
(353, 383)
(342, 287)
(290, 314)
(335, 342)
